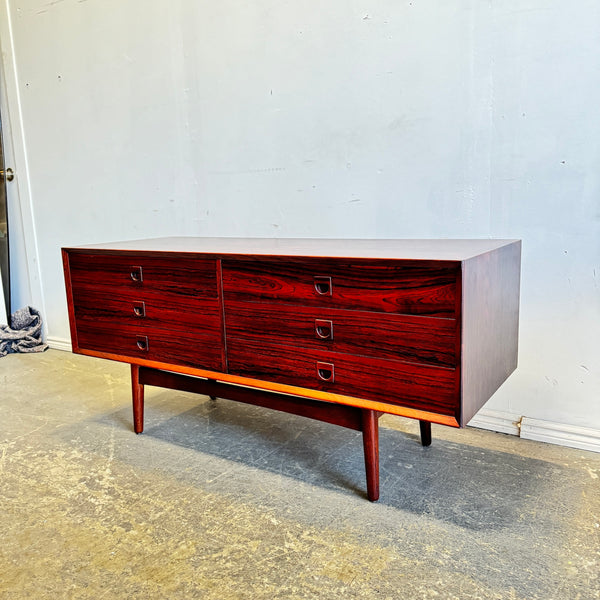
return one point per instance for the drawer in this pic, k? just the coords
(198, 350)
(416, 386)
(398, 337)
(173, 274)
(139, 308)
(391, 286)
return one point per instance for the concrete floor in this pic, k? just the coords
(227, 501)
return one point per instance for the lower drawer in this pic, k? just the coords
(416, 386)
(131, 307)
(177, 348)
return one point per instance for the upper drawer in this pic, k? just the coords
(409, 287)
(174, 274)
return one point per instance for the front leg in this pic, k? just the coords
(137, 394)
(370, 432)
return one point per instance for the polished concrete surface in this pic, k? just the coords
(218, 501)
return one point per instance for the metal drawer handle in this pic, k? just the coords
(325, 371)
(136, 274)
(323, 285)
(324, 329)
(142, 342)
(139, 309)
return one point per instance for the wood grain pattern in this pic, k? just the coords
(397, 337)
(174, 312)
(370, 428)
(137, 395)
(174, 275)
(70, 303)
(384, 286)
(192, 348)
(417, 386)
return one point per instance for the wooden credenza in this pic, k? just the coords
(336, 330)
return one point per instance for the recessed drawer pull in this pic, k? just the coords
(325, 371)
(136, 274)
(139, 309)
(142, 342)
(324, 329)
(323, 285)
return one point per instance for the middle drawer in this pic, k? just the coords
(407, 338)
(147, 309)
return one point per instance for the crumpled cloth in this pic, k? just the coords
(24, 334)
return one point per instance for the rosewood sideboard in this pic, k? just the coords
(336, 330)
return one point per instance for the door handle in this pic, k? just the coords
(7, 175)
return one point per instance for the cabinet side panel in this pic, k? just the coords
(69, 292)
(490, 324)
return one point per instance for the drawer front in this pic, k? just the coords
(398, 337)
(138, 308)
(177, 348)
(416, 386)
(173, 274)
(409, 287)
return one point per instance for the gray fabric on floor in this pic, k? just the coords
(24, 334)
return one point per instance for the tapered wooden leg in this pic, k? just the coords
(370, 431)
(425, 427)
(137, 394)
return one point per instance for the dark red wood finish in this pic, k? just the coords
(70, 300)
(490, 324)
(191, 277)
(420, 337)
(409, 338)
(370, 428)
(140, 308)
(137, 394)
(163, 309)
(407, 287)
(176, 347)
(418, 386)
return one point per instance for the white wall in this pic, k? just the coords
(329, 119)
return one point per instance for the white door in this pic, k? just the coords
(25, 281)
(5, 176)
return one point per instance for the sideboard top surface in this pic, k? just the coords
(408, 249)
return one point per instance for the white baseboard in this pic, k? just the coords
(495, 420)
(59, 343)
(561, 434)
(573, 436)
